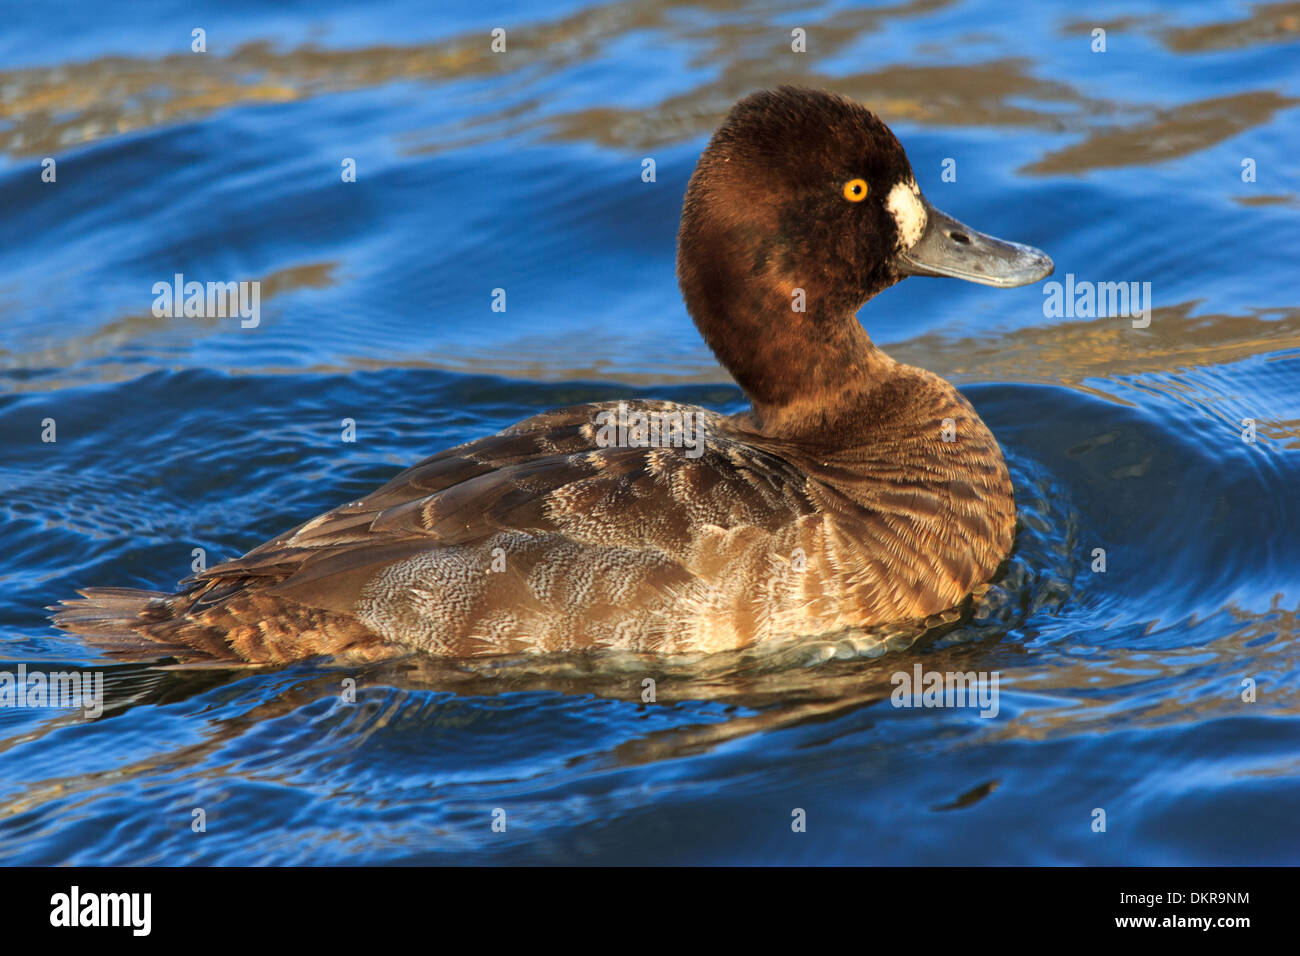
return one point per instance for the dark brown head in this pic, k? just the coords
(802, 207)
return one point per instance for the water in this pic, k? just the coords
(1119, 690)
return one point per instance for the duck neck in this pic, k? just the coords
(809, 375)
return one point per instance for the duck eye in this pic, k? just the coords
(855, 190)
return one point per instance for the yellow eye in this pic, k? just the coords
(855, 190)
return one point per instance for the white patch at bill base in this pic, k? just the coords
(904, 204)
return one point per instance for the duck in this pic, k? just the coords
(854, 491)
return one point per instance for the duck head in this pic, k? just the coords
(802, 207)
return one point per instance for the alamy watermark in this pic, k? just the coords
(75, 908)
(638, 428)
(67, 689)
(1091, 300)
(211, 300)
(946, 689)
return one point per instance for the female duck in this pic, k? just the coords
(855, 491)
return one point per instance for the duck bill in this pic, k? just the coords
(947, 248)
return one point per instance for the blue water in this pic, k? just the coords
(1120, 690)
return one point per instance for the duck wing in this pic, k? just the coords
(542, 537)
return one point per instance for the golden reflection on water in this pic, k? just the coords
(48, 109)
(1131, 688)
(1068, 353)
(1266, 23)
(1070, 699)
(72, 351)
(1083, 354)
(1166, 135)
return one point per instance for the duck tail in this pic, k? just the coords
(130, 625)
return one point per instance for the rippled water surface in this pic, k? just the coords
(1120, 690)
